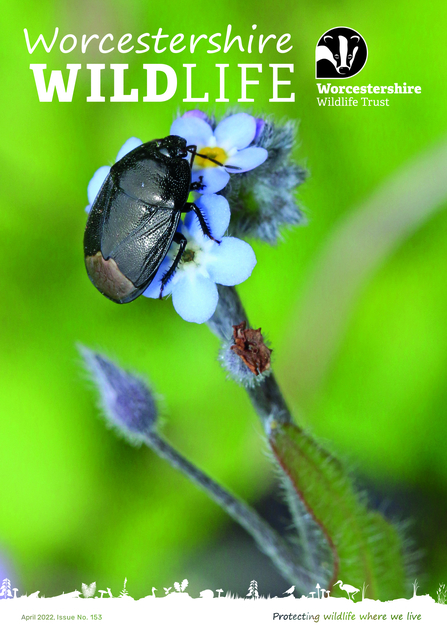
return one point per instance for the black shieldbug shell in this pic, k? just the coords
(134, 218)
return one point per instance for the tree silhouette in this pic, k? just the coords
(253, 590)
(415, 587)
(5, 590)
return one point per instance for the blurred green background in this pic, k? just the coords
(79, 505)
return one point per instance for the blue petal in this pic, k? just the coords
(216, 211)
(232, 261)
(153, 291)
(214, 179)
(195, 130)
(247, 159)
(237, 131)
(130, 144)
(195, 298)
(96, 183)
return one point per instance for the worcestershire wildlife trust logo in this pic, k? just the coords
(341, 53)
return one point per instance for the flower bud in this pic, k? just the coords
(127, 402)
(263, 201)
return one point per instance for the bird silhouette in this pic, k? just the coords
(349, 590)
(153, 596)
(290, 591)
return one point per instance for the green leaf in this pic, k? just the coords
(365, 547)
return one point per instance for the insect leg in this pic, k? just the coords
(182, 241)
(198, 185)
(190, 206)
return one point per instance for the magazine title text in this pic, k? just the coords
(162, 80)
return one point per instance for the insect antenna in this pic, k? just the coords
(194, 152)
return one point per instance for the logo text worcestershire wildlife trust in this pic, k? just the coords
(341, 53)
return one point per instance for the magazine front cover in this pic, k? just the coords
(224, 343)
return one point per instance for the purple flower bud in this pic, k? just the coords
(126, 400)
(197, 114)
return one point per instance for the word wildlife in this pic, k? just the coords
(153, 71)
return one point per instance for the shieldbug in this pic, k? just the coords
(135, 216)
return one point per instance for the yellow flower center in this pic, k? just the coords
(216, 153)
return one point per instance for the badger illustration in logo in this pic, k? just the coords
(340, 53)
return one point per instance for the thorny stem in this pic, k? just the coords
(267, 539)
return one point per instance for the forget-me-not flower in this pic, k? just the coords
(229, 143)
(204, 263)
(227, 261)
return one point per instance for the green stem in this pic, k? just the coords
(267, 539)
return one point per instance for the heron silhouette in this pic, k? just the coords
(349, 590)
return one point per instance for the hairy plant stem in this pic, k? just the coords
(266, 395)
(269, 403)
(268, 540)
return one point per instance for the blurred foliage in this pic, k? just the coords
(76, 503)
